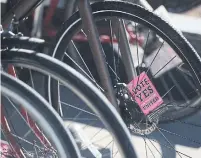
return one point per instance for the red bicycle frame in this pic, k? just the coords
(16, 150)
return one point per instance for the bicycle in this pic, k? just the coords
(132, 13)
(14, 57)
(78, 85)
(124, 25)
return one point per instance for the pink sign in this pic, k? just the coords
(144, 93)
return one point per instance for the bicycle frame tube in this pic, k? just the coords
(21, 10)
(96, 49)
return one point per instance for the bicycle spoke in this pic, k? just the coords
(112, 149)
(112, 141)
(171, 145)
(178, 87)
(79, 119)
(82, 60)
(116, 153)
(31, 78)
(189, 82)
(82, 110)
(145, 146)
(184, 137)
(143, 53)
(150, 142)
(183, 122)
(93, 80)
(152, 63)
(113, 51)
(137, 50)
(155, 57)
(154, 146)
(166, 88)
(20, 140)
(170, 148)
(100, 139)
(150, 150)
(180, 105)
(164, 66)
(96, 134)
(18, 113)
(84, 33)
(114, 72)
(37, 133)
(168, 91)
(91, 124)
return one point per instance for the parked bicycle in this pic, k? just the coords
(147, 85)
(141, 46)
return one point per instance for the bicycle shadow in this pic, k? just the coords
(180, 138)
(184, 134)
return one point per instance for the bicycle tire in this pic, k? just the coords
(83, 88)
(43, 114)
(137, 13)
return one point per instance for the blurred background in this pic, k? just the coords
(185, 15)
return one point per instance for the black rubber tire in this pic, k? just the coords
(80, 86)
(135, 13)
(39, 110)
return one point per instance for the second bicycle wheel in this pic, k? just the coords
(86, 111)
(157, 49)
(29, 126)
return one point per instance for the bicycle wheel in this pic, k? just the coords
(99, 109)
(51, 140)
(157, 49)
(154, 63)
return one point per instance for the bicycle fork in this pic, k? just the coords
(98, 52)
(96, 49)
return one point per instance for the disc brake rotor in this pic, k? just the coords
(132, 115)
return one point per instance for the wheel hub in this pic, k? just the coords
(132, 115)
